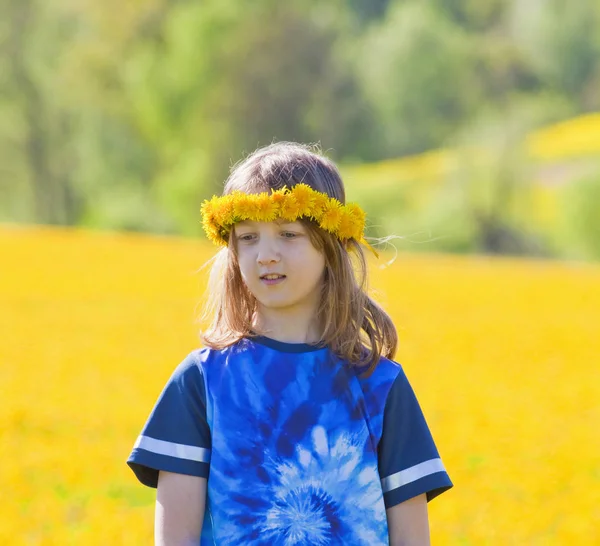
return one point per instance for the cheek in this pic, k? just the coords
(246, 268)
(243, 259)
(315, 264)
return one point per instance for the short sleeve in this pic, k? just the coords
(176, 436)
(409, 462)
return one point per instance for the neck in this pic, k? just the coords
(288, 325)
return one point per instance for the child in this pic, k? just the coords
(293, 426)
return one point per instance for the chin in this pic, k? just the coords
(276, 304)
(279, 301)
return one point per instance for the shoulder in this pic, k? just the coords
(201, 359)
(386, 372)
(388, 368)
(187, 375)
(193, 365)
(190, 375)
(378, 386)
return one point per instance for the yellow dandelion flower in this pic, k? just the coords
(211, 230)
(305, 197)
(265, 210)
(331, 217)
(243, 206)
(224, 212)
(208, 206)
(290, 209)
(204, 208)
(278, 197)
(208, 217)
(320, 202)
(349, 226)
(208, 228)
(357, 213)
(219, 214)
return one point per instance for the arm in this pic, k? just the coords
(180, 502)
(411, 470)
(408, 524)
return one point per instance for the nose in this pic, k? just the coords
(267, 252)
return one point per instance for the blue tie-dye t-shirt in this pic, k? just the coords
(298, 448)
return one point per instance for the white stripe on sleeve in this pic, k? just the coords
(412, 474)
(171, 449)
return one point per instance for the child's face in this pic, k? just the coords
(284, 249)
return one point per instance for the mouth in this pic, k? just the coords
(272, 278)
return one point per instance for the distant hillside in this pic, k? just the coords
(569, 140)
(431, 192)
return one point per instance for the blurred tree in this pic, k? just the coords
(127, 114)
(495, 178)
(41, 128)
(196, 86)
(296, 82)
(562, 40)
(417, 69)
(368, 10)
(473, 14)
(503, 71)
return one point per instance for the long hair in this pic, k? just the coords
(354, 326)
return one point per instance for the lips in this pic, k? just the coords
(272, 278)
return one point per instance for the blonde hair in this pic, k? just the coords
(353, 326)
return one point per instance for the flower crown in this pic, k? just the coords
(220, 213)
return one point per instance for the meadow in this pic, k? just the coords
(503, 355)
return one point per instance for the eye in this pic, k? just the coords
(246, 237)
(289, 235)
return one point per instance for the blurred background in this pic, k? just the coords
(461, 125)
(468, 128)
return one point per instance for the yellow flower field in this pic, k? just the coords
(503, 354)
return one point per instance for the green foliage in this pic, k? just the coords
(367, 10)
(427, 100)
(562, 41)
(474, 14)
(126, 115)
(579, 225)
